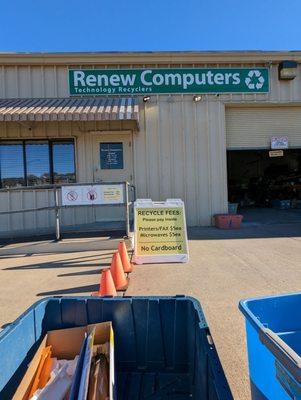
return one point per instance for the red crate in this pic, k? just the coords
(236, 221)
(222, 221)
(228, 221)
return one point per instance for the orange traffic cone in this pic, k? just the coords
(106, 287)
(121, 283)
(127, 266)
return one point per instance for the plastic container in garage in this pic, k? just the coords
(281, 204)
(222, 221)
(228, 221)
(236, 221)
(273, 326)
(163, 347)
(232, 208)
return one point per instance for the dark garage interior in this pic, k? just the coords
(260, 182)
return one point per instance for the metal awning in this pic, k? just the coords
(70, 109)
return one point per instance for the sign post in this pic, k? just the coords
(160, 232)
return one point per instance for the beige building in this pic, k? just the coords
(162, 121)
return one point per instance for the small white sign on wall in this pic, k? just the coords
(279, 142)
(92, 194)
(276, 153)
(112, 194)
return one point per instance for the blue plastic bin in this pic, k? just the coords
(232, 208)
(273, 326)
(163, 346)
(281, 204)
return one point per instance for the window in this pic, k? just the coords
(63, 162)
(12, 164)
(36, 162)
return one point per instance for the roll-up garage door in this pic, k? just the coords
(253, 127)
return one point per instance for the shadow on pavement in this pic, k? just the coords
(76, 245)
(57, 264)
(73, 290)
(99, 256)
(78, 233)
(247, 231)
(90, 272)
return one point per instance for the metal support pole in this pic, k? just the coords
(57, 215)
(127, 210)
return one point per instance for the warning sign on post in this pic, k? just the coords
(160, 232)
(112, 194)
(83, 195)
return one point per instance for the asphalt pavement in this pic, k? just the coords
(224, 267)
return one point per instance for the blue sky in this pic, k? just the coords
(133, 25)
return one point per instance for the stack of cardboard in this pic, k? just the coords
(72, 364)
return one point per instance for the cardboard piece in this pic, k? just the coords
(60, 381)
(99, 373)
(67, 344)
(43, 372)
(23, 390)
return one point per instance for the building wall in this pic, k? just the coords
(179, 153)
(22, 81)
(28, 198)
(180, 150)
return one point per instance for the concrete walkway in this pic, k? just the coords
(29, 271)
(224, 267)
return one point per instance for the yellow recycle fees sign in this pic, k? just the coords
(160, 232)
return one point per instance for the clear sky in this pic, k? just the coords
(121, 25)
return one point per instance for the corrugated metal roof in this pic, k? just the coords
(141, 58)
(69, 109)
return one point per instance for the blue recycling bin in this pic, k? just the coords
(163, 346)
(273, 327)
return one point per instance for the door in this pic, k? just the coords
(112, 158)
(253, 127)
(113, 162)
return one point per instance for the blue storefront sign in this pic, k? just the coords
(111, 155)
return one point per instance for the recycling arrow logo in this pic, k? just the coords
(254, 79)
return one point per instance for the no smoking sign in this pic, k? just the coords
(72, 196)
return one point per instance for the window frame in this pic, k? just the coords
(50, 143)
